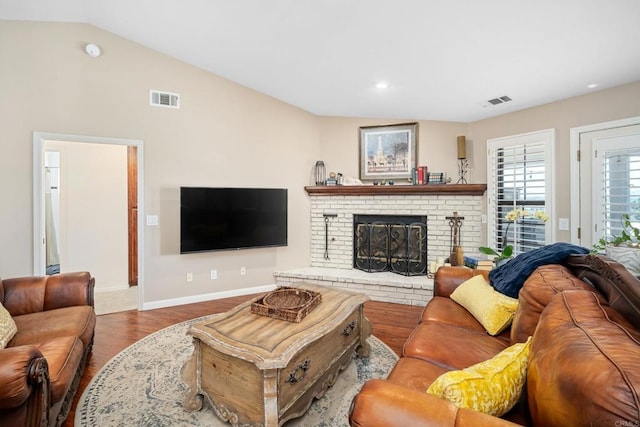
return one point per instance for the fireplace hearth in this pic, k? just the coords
(395, 243)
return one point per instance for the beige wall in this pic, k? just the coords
(93, 210)
(223, 135)
(602, 106)
(436, 145)
(437, 140)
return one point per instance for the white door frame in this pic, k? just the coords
(39, 139)
(574, 146)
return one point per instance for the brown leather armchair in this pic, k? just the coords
(41, 366)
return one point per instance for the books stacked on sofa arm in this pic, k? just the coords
(478, 263)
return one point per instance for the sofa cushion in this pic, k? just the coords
(35, 328)
(63, 355)
(415, 373)
(540, 287)
(491, 308)
(7, 327)
(509, 277)
(444, 309)
(584, 362)
(492, 387)
(451, 346)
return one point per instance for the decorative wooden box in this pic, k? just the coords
(285, 303)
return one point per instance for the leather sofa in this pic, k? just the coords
(41, 366)
(584, 361)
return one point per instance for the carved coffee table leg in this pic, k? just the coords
(190, 374)
(270, 377)
(364, 349)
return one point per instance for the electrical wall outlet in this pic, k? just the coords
(214, 274)
(189, 277)
(243, 271)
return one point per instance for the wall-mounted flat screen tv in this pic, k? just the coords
(213, 219)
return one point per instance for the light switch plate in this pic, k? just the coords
(152, 219)
(563, 224)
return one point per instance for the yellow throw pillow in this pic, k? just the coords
(491, 308)
(8, 327)
(493, 386)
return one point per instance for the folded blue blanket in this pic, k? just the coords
(509, 277)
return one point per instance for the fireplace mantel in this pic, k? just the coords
(368, 190)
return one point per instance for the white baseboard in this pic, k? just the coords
(206, 297)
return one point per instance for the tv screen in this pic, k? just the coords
(213, 219)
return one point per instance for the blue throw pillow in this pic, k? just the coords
(509, 277)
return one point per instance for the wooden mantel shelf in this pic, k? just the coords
(394, 190)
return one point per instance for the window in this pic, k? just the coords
(519, 177)
(617, 170)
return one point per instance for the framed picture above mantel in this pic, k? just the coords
(388, 152)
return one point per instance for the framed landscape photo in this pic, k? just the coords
(388, 152)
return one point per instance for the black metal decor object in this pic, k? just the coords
(326, 234)
(409, 258)
(454, 222)
(390, 243)
(371, 246)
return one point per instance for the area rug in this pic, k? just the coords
(141, 386)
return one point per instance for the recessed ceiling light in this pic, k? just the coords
(592, 85)
(382, 85)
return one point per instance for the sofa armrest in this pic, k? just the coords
(24, 379)
(381, 403)
(26, 295)
(447, 279)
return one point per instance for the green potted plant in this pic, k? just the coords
(624, 248)
(512, 216)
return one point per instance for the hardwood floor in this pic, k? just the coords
(392, 323)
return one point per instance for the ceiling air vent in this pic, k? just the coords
(165, 99)
(499, 100)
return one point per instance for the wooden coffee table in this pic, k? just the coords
(259, 371)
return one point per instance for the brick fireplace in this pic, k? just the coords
(332, 211)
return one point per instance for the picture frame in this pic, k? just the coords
(388, 152)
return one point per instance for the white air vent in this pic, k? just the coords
(164, 99)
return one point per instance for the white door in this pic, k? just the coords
(609, 181)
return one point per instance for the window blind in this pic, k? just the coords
(518, 181)
(621, 189)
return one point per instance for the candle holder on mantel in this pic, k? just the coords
(463, 163)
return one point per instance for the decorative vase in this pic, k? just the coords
(320, 172)
(502, 261)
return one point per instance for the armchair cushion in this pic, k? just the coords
(491, 308)
(8, 327)
(492, 387)
(36, 328)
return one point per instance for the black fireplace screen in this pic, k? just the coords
(396, 243)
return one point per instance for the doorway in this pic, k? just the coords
(605, 178)
(94, 213)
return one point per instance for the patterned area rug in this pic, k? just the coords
(141, 386)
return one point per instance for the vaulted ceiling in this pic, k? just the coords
(441, 59)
